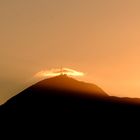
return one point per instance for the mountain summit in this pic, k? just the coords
(56, 94)
(66, 83)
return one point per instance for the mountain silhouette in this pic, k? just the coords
(64, 98)
(63, 82)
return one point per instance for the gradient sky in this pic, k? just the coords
(98, 37)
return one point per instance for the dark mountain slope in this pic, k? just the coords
(62, 98)
(63, 82)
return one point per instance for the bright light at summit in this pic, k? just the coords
(57, 72)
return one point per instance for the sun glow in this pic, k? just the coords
(57, 72)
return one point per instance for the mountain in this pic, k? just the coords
(57, 90)
(65, 83)
(63, 98)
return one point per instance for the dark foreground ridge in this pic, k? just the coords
(63, 98)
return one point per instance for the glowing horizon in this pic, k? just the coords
(57, 72)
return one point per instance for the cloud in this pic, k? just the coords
(56, 72)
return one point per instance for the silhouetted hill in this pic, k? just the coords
(64, 98)
(63, 82)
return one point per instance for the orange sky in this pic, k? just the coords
(98, 37)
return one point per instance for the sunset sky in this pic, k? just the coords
(98, 37)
